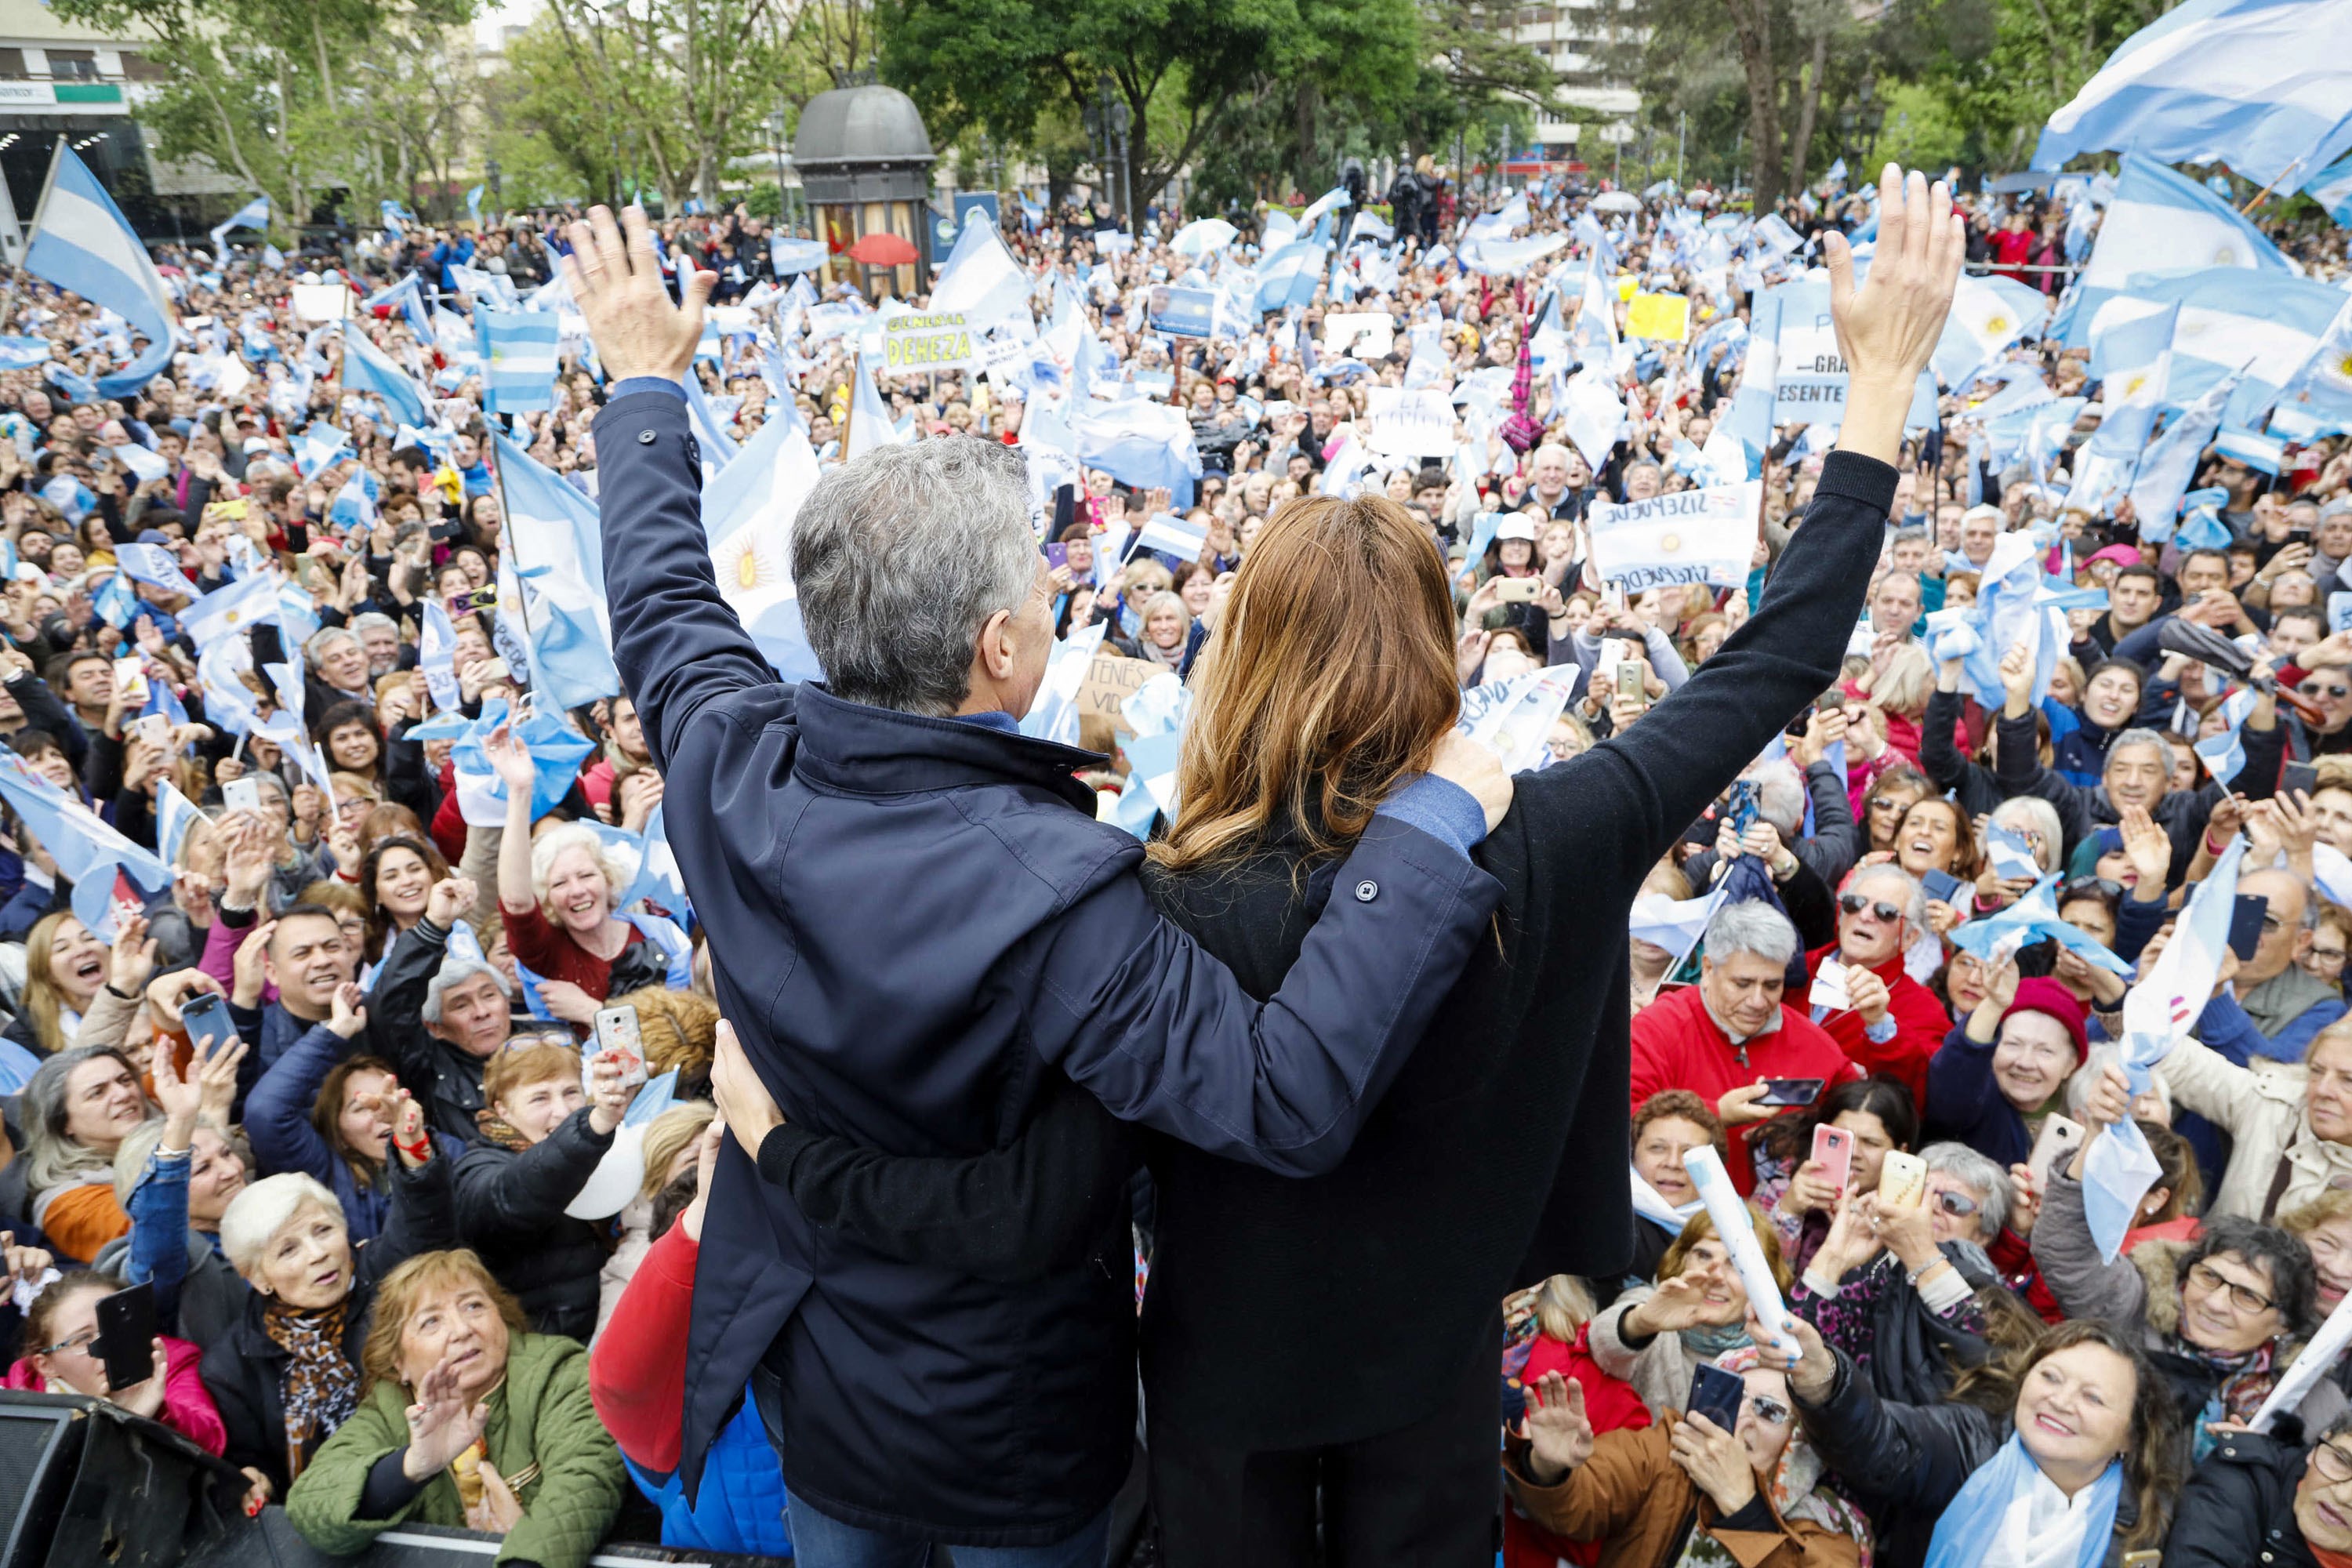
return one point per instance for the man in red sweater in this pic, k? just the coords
(1894, 1023)
(1724, 1037)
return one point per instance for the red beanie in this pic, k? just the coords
(2048, 997)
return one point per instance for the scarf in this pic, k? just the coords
(1707, 1343)
(1992, 1517)
(320, 1387)
(495, 1130)
(2245, 1381)
(2284, 997)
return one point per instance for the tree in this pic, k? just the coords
(266, 89)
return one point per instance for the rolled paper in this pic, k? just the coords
(1735, 1224)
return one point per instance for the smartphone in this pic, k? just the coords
(1632, 681)
(1519, 590)
(206, 1019)
(242, 794)
(496, 669)
(1717, 1394)
(472, 600)
(2059, 1137)
(2246, 913)
(155, 729)
(2301, 776)
(1057, 556)
(126, 1335)
(130, 680)
(1902, 1181)
(1940, 886)
(1746, 795)
(1792, 1090)
(618, 1031)
(1834, 1153)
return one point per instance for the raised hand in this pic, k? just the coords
(1887, 328)
(133, 958)
(735, 1088)
(451, 900)
(1715, 1461)
(441, 1425)
(1560, 1434)
(408, 1134)
(616, 282)
(511, 758)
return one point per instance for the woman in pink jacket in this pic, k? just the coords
(61, 1357)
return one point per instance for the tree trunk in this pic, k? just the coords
(1810, 94)
(1751, 21)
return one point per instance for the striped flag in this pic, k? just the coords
(367, 368)
(519, 359)
(80, 240)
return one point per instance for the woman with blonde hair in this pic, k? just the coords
(1495, 1155)
(65, 969)
(557, 897)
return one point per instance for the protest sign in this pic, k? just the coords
(1110, 681)
(1183, 313)
(1417, 423)
(917, 341)
(1360, 335)
(321, 301)
(2339, 611)
(1664, 318)
(1692, 536)
(1812, 385)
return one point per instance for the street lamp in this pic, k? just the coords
(776, 140)
(1120, 120)
(490, 167)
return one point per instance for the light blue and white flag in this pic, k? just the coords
(175, 815)
(408, 295)
(747, 515)
(144, 466)
(80, 240)
(367, 368)
(1687, 537)
(225, 611)
(2225, 755)
(1508, 258)
(156, 566)
(1513, 719)
(558, 554)
(1054, 714)
(76, 839)
(2318, 398)
(1673, 924)
(2011, 855)
(710, 434)
(1290, 274)
(474, 203)
(1171, 535)
(2170, 462)
(2161, 221)
(436, 656)
(23, 352)
(2261, 85)
(870, 425)
(255, 213)
(2269, 325)
(1145, 445)
(1337, 196)
(791, 256)
(2332, 188)
(982, 281)
(1987, 315)
(520, 356)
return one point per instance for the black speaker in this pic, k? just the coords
(84, 1482)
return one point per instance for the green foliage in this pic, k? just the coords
(2002, 67)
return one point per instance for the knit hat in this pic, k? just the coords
(2053, 1000)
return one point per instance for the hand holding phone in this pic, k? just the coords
(1717, 1394)
(2246, 916)
(620, 1036)
(1790, 1090)
(1519, 590)
(242, 794)
(2060, 1137)
(126, 1337)
(1833, 1153)
(1902, 1181)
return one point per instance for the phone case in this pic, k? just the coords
(1902, 1181)
(618, 1030)
(2058, 1134)
(206, 1018)
(1834, 1153)
(126, 1335)
(1717, 1394)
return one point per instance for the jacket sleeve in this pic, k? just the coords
(108, 1022)
(1602, 1496)
(1961, 1095)
(1939, 759)
(579, 1475)
(1032, 1208)
(188, 1408)
(2018, 770)
(2219, 1518)
(1909, 1457)
(676, 643)
(324, 1503)
(159, 1234)
(396, 1004)
(278, 1111)
(1836, 842)
(2084, 1284)
(501, 1197)
(636, 1370)
(1654, 777)
(2204, 1080)
(1166, 1035)
(421, 1218)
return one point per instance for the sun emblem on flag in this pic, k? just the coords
(747, 562)
(2344, 365)
(1671, 543)
(2226, 257)
(1997, 325)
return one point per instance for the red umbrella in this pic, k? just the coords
(883, 249)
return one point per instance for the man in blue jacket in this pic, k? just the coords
(918, 924)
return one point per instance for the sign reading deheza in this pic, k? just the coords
(1692, 536)
(917, 341)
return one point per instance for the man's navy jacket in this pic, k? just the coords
(914, 921)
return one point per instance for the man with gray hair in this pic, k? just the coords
(1890, 1022)
(919, 929)
(1726, 1037)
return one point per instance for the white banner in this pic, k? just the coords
(1692, 536)
(1410, 423)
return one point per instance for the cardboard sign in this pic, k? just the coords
(321, 301)
(1361, 334)
(1418, 424)
(1662, 318)
(1109, 681)
(921, 342)
(1183, 313)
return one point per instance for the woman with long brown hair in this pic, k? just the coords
(1496, 1156)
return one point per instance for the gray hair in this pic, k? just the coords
(455, 971)
(1964, 1164)
(261, 1211)
(52, 1159)
(1915, 898)
(1751, 926)
(138, 1147)
(374, 620)
(322, 641)
(1780, 797)
(2140, 735)
(2032, 811)
(1911, 536)
(901, 557)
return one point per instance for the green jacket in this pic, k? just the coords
(541, 1416)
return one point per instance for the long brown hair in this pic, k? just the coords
(2151, 1462)
(1331, 675)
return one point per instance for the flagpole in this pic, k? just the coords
(2264, 195)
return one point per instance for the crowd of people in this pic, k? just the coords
(424, 1248)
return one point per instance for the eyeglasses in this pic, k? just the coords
(2207, 1279)
(1959, 1206)
(1889, 803)
(2091, 887)
(1772, 1413)
(1854, 903)
(2324, 689)
(2332, 1463)
(83, 1341)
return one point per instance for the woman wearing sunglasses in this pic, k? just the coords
(1685, 1490)
(2221, 1318)
(2258, 1500)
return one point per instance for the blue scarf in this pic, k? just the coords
(1970, 1526)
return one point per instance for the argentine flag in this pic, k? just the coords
(2332, 188)
(2161, 221)
(80, 240)
(255, 213)
(225, 611)
(367, 368)
(2265, 86)
(558, 554)
(2317, 399)
(2268, 324)
(982, 281)
(747, 515)
(1288, 276)
(519, 352)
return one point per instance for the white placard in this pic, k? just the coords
(1691, 536)
(1416, 424)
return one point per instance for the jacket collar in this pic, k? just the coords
(857, 749)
